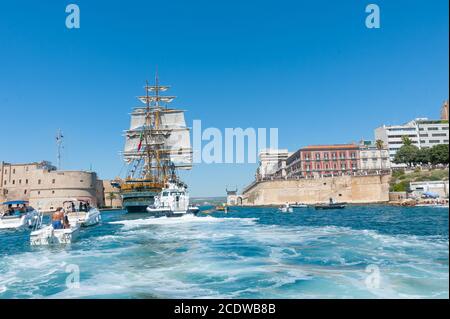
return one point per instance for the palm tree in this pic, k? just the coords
(406, 140)
(379, 144)
(111, 197)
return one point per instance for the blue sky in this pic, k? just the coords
(310, 68)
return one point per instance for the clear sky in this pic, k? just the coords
(310, 68)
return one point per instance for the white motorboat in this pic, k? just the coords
(80, 212)
(21, 216)
(48, 235)
(173, 201)
(286, 208)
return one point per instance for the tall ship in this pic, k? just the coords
(157, 145)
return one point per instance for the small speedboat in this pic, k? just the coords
(299, 206)
(80, 212)
(21, 216)
(222, 208)
(286, 208)
(48, 235)
(330, 206)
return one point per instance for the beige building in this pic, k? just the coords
(373, 159)
(45, 187)
(272, 162)
(111, 195)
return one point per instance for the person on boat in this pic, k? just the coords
(80, 207)
(10, 211)
(72, 205)
(58, 218)
(66, 223)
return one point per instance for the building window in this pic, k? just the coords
(39, 182)
(53, 192)
(14, 171)
(53, 181)
(14, 182)
(20, 181)
(39, 192)
(26, 181)
(25, 192)
(81, 181)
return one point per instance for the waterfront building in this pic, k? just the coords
(272, 162)
(112, 196)
(422, 132)
(437, 187)
(373, 157)
(47, 188)
(444, 111)
(233, 199)
(323, 161)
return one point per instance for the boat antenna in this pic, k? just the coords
(59, 141)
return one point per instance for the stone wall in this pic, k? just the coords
(350, 189)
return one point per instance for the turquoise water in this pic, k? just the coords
(248, 253)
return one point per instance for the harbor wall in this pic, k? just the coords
(350, 189)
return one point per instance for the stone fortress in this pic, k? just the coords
(46, 188)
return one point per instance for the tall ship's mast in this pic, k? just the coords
(157, 144)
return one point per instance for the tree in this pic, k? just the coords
(423, 156)
(407, 154)
(111, 197)
(439, 154)
(406, 140)
(379, 144)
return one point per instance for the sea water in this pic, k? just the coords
(357, 252)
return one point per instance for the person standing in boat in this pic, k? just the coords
(58, 218)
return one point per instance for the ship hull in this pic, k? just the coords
(137, 202)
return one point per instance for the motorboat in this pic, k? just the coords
(20, 216)
(173, 201)
(48, 235)
(80, 212)
(330, 206)
(299, 205)
(222, 208)
(286, 208)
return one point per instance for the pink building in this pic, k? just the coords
(324, 160)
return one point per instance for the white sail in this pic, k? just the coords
(149, 99)
(172, 119)
(137, 120)
(178, 144)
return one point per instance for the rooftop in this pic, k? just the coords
(330, 147)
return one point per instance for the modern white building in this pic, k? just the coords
(422, 132)
(438, 187)
(271, 161)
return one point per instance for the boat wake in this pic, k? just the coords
(209, 257)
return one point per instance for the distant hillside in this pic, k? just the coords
(205, 201)
(400, 180)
